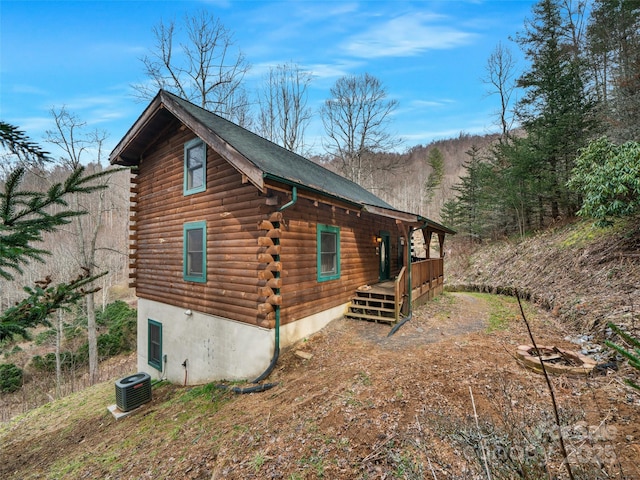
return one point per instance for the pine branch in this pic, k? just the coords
(626, 337)
(42, 301)
(632, 356)
(25, 215)
(18, 143)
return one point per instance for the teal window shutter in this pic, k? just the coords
(154, 357)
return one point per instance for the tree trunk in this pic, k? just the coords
(92, 334)
(58, 361)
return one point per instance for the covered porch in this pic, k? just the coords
(420, 276)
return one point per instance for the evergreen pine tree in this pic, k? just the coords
(24, 217)
(555, 112)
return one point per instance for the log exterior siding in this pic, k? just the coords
(262, 206)
(302, 294)
(231, 210)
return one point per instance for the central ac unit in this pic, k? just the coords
(133, 391)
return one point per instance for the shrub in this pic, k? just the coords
(117, 312)
(608, 178)
(47, 363)
(632, 353)
(10, 378)
(122, 322)
(45, 337)
(110, 344)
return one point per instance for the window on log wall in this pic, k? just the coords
(195, 252)
(195, 166)
(328, 249)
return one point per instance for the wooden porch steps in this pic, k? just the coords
(375, 303)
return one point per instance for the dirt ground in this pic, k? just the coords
(363, 405)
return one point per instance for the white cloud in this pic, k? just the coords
(407, 35)
(34, 126)
(431, 103)
(313, 12)
(331, 70)
(28, 89)
(428, 136)
(87, 102)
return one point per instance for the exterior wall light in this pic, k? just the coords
(188, 313)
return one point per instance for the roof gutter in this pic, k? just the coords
(297, 185)
(294, 199)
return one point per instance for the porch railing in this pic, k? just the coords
(425, 275)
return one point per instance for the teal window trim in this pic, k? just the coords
(195, 252)
(190, 171)
(328, 260)
(154, 355)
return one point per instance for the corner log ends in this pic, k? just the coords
(269, 273)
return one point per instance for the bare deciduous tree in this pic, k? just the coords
(356, 119)
(205, 68)
(501, 81)
(284, 114)
(69, 135)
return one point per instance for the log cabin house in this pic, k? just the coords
(239, 247)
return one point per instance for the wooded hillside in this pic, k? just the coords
(351, 402)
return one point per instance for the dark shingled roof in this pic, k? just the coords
(253, 155)
(279, 162)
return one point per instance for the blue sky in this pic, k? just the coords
(429, 55)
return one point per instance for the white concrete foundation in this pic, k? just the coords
(216, 348)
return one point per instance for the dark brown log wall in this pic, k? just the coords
(232, 210)
(302, 294)
(239, 268)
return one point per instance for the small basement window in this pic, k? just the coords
(155, 344)
(328, 252)
(195, 253)
(195, 166)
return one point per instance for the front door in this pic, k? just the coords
(385, 256)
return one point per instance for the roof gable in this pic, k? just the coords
(245, 149)
(252, 155)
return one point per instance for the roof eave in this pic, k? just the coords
(285, 181)
(233, 156)
(247, 168)
(117, 156)
(414, 220)
(405, 217)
